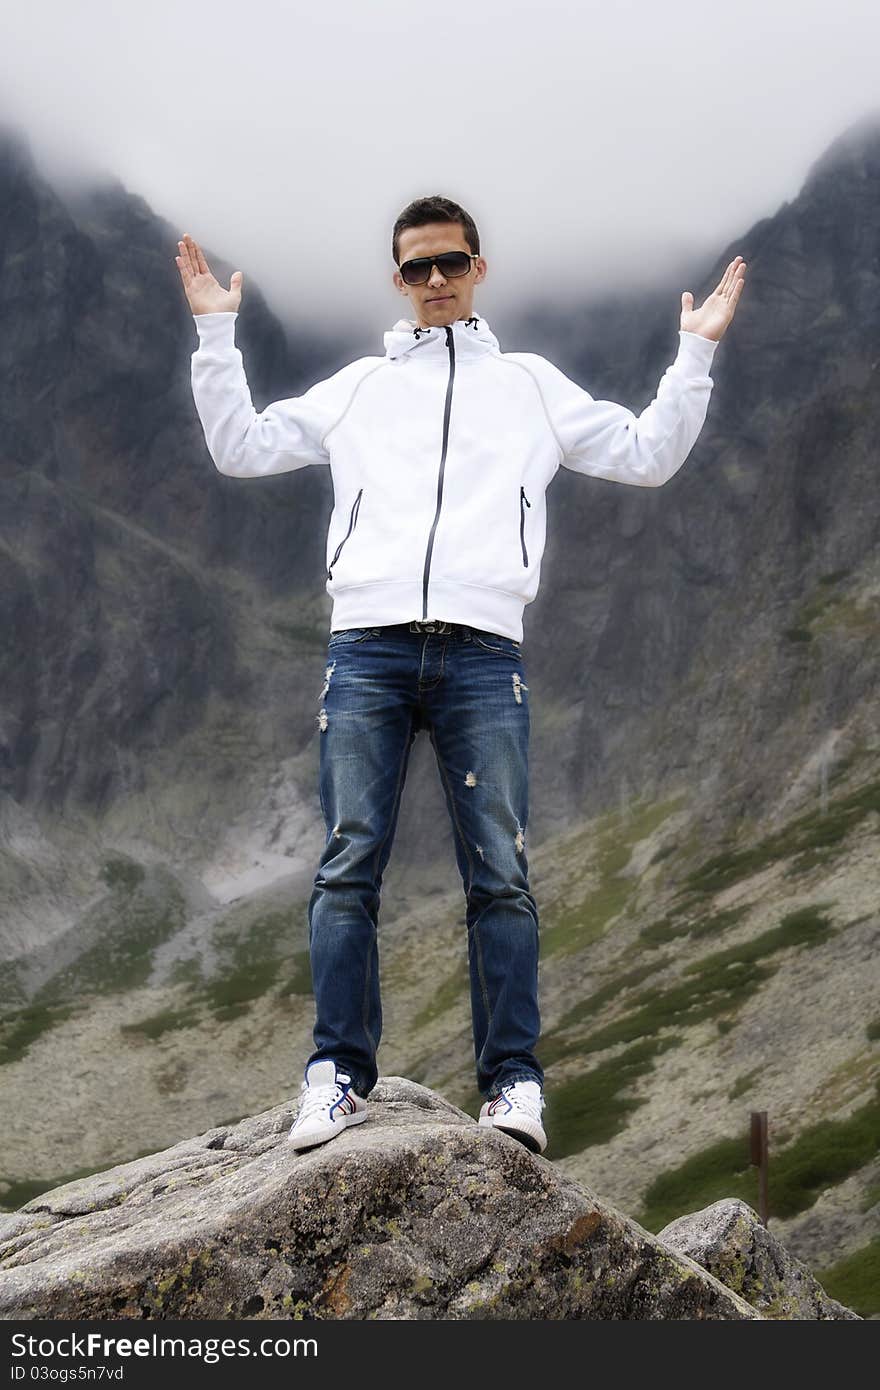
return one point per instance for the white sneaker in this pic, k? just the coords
(517, 1111)
(328, 1105)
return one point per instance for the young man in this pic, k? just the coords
(440, 452)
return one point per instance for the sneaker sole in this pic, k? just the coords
(306, 1141)
(536, 1143)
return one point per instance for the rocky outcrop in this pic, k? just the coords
(417, 1214)
(730, 1241)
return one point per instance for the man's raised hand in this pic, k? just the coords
(205, 293)
(712, 320)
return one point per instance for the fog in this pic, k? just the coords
(595, 145)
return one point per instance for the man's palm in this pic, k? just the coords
(203, 290)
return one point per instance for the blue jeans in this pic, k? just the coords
(468, 688)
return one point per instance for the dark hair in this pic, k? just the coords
(434, 209)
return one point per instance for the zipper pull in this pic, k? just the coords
(524, 498)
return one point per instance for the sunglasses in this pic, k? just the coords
(449, 263)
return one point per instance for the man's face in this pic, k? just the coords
(438, 300)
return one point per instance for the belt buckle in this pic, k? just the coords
(429, 625)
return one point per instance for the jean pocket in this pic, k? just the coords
(495, 642)
(349, 636)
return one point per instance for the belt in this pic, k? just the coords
(433, 625)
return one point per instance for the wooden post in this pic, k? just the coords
(759, 1160)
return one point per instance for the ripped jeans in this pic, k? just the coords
(467, 687)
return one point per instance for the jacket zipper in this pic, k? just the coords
(352, 521)
(522, 524)
(446, 412)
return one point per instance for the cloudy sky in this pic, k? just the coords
(595, 144)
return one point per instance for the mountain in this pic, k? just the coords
(705, 759)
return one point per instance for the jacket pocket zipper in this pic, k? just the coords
(522, 524)
(352, 522)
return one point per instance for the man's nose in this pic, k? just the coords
(436, 279)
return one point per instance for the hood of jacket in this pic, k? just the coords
(472, 337)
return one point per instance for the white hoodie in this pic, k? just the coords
(440, 454)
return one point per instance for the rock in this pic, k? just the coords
(418, 1213)
(730, 1241)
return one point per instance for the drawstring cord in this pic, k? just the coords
(472, 322)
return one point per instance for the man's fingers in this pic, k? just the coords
(189, 250)
(185, 252)
(197, 257)
(739, 280)
(724, 282)
(183, 265)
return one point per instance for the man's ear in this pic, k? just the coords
(481, 271)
